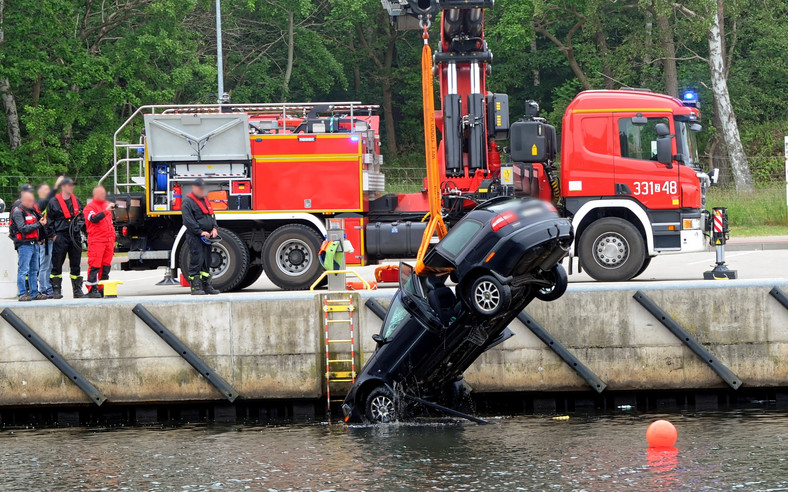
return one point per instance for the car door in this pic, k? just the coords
(637, 172)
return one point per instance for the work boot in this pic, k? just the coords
(94, 293)
(207, 286)
(196, 286)
(76, 286)
(57, 287)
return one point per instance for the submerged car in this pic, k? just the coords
(502, 255)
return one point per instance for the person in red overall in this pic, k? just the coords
(101, 240)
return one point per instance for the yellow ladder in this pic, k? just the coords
(333, 376)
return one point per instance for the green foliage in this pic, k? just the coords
(78, 69)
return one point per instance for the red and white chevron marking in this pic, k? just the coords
(717, 221)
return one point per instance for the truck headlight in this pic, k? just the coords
(691, 224)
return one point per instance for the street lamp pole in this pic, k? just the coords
(219, 61)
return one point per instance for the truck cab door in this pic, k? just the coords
(638, 172)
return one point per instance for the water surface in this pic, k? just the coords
(721, 451)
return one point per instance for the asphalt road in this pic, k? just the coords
(750, 264)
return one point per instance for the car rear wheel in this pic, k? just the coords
(380, 407)
(291, 256)
(489, 296)
(611, 250)
(557, 275)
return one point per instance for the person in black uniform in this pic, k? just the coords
(62, 209)
(200, 224)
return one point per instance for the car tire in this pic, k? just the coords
(646, 263)
(380, 406)
(488, 296)
(251, 277)
(290, 257)
(557, 275)
(229, 260)
(612, 250)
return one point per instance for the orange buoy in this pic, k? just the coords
(661, 434)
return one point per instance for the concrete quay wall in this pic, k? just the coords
(270, 346)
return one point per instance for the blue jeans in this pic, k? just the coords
(45, 267)
(28, 268)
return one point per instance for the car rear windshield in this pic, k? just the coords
(459, 237)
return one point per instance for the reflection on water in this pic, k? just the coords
(735, 450)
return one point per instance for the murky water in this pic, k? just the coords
(724, 451)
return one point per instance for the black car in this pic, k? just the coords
(502, 255)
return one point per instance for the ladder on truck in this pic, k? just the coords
(340, 340)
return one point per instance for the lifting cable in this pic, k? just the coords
(436, 224)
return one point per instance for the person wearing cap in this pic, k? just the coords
(201, 226)
(62, 209)
(27, 223)
(101, 240)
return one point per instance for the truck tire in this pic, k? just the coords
(612, 250)
(290, 256)
(229, 261)
(251, 277)
(646, 263)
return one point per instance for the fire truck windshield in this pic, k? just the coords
(687, 143)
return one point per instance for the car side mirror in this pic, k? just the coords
(662, 130)
(379, 339)
(665, 150)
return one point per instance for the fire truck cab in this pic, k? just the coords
(630, 177)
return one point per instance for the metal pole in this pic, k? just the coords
(786, 170)
(219, 62)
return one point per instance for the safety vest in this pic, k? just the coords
(203, 203)
(64, 208)
(30, 219)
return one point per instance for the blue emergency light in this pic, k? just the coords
(690, 98)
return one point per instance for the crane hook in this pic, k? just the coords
(425, 27)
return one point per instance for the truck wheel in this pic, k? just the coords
(612, 250)
(229, 260)
(251, 277)
(646, 263)
(557, 275)
(291, 256)
(489, 297)
(380, 407)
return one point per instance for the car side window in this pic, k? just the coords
(459, 236)
(396, 317)
(639, 141)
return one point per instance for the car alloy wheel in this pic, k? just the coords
(487, 296)
(381, 407)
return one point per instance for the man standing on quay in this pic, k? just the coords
(200, 226)
(101, 240)
(62, 209)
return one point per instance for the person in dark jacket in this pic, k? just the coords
(200, 224)
(45, 194)
(27, 224)
(62, 209)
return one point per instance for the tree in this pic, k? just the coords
(9, 101)
(719, 66)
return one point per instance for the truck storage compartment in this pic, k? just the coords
(130, 208)
(394, 239)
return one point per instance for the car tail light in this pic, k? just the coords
(124, 231)
(503, 220)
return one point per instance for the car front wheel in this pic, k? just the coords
(380, 407)
(611, 250)
(489, 296)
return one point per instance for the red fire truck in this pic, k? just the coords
(629, 171)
